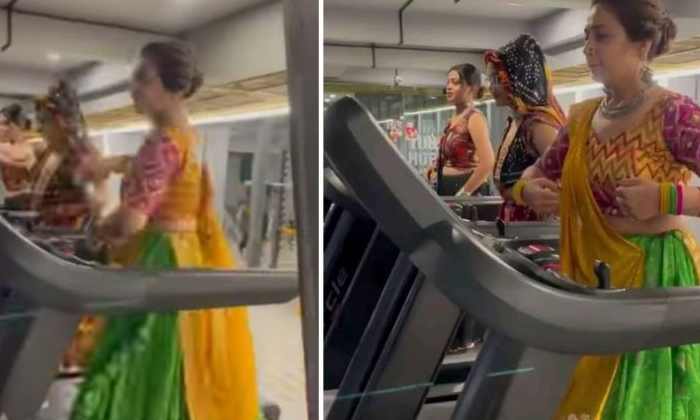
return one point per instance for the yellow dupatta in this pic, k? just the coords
(218, 359)
(586, 237)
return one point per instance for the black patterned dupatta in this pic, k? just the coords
(524, 72)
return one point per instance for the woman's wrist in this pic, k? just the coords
(517, 192)
(671, 199)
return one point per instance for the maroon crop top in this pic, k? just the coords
(457, 149)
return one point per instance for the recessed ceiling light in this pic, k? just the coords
(53, 57)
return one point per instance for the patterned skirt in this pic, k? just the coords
(658, 384)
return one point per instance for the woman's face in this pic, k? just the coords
(499, 92)
(5, 129)
(147, 91)
(611, 56)
(457, 91)
(9, 131)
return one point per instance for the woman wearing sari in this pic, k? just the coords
(618, 176)
(195, 365)
(521, 79)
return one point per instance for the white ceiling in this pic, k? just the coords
(522, 10)
(166, 16)
(365, 42)
(35, 61)
(499, 9)
(161, 16)
(101, 38)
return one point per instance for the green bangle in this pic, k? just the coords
(672, 200)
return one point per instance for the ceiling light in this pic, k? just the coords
(515, 4)
(247, 116)
(53, 57)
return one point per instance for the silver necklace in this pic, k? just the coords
(613, 112)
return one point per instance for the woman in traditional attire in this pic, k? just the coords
(195, 365)
(19, 151)
(618, 176)
(521, 79)
(464, 161)
(465, 157)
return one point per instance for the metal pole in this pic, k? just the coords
(258, 195)
(302, 41)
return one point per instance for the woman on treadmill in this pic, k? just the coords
(19, 151)
(190, 365)
(465, 157)
(521, 79)
(618, 176)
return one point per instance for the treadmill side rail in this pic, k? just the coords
(35, 364)
(511, 381)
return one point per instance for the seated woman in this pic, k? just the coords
(465, 157)
(520, 79)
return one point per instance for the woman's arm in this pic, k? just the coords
(682, 135)
(543, 136)
(117, 164)
(538, 187)
(18, 155)
(479, 132)
(154, 167)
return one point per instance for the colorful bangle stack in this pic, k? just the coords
(517, 192)
(671, 198)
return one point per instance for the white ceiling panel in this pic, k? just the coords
(498, 9)
(31, 60)
(366, 4)
(166, 16)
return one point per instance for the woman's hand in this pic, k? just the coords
(638, 199)
(97, 196)
(117, 164)
(94, 168)
(429, 172)
(542, 196)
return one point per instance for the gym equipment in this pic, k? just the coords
(45, 295)
(384, 312)
(528, 358)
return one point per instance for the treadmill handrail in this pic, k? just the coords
(447, 252)
(334, 189)
(466, 201)
(52, 282)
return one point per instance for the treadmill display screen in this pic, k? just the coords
(544, 256)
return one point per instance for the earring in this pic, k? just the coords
(647, 75)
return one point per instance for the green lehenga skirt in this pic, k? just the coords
(136, 370)
(661, 384)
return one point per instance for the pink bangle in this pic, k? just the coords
(679, 199)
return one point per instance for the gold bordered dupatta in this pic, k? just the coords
(586, 237)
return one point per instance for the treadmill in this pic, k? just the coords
(384, 314)
(536, 334)
(44, 296)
